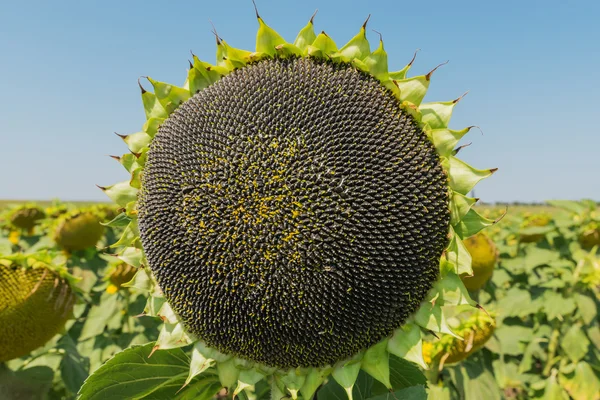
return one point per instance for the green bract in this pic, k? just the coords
(293, 162)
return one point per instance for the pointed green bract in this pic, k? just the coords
(472, 223)
(461, 205)
(121, 193)
(228, 374)
(437, 115)
(378, 63)
(407, 343)
(169, 96)
(198, 364)
(452, 291)
(376, 363)
(293, 381)
(152, 106)
(246, 379)
(445, 140)
(267, 39)
(401, 74)
(314, 379)
(306, 36)
(463, 177)
(433, 317)
(357, 48)
(322, 46)
(413, 89)
(458, 255)
(346, 375)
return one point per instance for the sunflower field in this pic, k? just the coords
(536, 335)
(294, 222)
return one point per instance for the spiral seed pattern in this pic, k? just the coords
(292, 213)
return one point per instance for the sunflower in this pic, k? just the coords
(297, 212)
(36, 299)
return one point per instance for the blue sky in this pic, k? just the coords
(69, 73)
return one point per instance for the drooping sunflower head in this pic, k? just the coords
(26, 217)
(590, 235)
(118, 274)
(78, 230)
(298, 206)
(474, 331)
(36, 299)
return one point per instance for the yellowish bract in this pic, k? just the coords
(485, 255)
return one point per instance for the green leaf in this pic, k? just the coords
(404, 374)
(130, 374)
(74, 368)
(474, 381)
(583, 383)
(29, 383)
(151, 126)
(432, 317)
(132, 256)
(413, 393)
(129, 236)
(172, 335)
(556, 305)
(346, 376)
(322, 46)
(313, 381)
(435, 392)
(98, 316)
(511, 305)
(553, 391)
(537, 257)
(512, 337)
(378, 63)
(201, 77)
(458, 255)
(587, 308)
(575, 343)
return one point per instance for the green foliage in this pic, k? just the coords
(546, 295)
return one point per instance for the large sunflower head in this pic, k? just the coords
(298, 211)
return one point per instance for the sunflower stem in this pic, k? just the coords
(552, 347)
